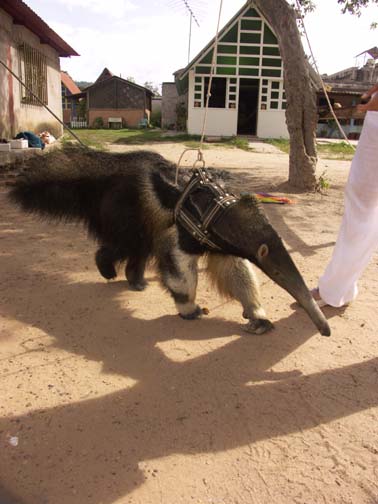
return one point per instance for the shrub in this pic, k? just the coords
(98, 123)
(155, 119)
(180, 117)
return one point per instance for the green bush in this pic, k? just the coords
(180, 117)
(155, 119)
(98, 123)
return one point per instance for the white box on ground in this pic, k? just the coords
(5, 147)
(20, 143)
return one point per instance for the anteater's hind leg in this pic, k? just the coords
(105, 258)
(135, 272)
(234, 277)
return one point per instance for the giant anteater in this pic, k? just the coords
(127, 202)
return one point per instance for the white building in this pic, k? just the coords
(31, 49)
(247, 95)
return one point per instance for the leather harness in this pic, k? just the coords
(200, 205)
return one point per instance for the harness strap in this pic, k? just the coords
(219, 202)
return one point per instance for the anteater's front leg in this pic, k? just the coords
(234, 277)
(134, 271)
(179, 275)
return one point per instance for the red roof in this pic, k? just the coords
(72, 87)
(24, 15)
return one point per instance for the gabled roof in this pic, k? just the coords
(72, 87)
(107, 75)
(180, 74)
(24, 15)
(373, 52)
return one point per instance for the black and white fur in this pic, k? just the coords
(127, 203)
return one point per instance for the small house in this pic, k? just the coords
(344, 89)
(112, 101)
(31, 49)
(69, 88)
(247, 95)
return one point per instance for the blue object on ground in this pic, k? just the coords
(33, 140)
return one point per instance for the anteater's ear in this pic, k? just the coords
(263, 251)
(249, 200)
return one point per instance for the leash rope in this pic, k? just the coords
(200, 157)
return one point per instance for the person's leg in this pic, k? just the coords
(358, 234)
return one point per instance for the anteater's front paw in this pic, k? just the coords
(197, 313)
(258, 326)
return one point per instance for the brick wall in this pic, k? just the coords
(131, 118)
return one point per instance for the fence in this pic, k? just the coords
(78, 123)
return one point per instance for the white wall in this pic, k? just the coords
(27, 117)
(272, 124)
(220, 122)
(224, 122)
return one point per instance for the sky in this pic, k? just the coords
(148, 39)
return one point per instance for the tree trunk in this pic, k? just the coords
(301, 113)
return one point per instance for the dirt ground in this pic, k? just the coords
(108, 397)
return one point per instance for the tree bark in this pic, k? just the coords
(301, 112)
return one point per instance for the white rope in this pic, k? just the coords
(321, 80)
(200, 157)
(213, 64)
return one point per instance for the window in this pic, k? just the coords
(218, 92)
(33, 72)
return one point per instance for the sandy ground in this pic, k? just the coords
(107, 396)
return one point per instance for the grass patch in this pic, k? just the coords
(336, 150)
(280, 143)
(339, 150)
(99, 138)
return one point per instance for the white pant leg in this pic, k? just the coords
(358, 234)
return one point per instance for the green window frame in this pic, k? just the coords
(269, 37)
(249, 24)
(251, 13)
(249, 71)
(271, 51)
(207, 59)
(267, 72)
(226, 60)
(249, 49)
(250, 38)
(249, 61)
(271, 62)
(231, 35)
(226, 71)
(227, 49)
(202, 70)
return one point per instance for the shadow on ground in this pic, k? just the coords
(89, 452)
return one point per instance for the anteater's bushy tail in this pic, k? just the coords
(61, 198)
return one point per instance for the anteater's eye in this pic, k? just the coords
(263, 251)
